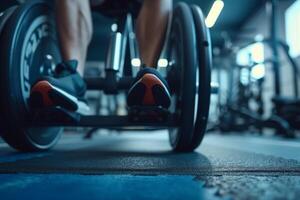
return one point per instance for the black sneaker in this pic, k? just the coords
(149, 89)
(65, 89)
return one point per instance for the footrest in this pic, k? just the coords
(56, 114)
(148, 113)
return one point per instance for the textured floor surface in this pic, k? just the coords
(142, 166)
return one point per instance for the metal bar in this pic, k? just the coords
(133, 47)
(123, 28)
(274, 46)
(295, 68)
(110, 122)
(99, 83)
(114, 52)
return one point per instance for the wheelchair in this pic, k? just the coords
(29, 49)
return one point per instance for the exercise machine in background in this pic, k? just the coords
(244, 108)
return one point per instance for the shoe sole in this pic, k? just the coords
(157, 96)
(44, 94)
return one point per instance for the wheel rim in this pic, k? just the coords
(32, 36)
(204, 76)
(183, 62)
(175, 98)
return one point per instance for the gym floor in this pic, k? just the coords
(141, 166)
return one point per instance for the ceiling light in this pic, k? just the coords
(214, 13)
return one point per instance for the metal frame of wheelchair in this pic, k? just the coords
(29, 49)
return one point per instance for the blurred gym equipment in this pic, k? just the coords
(237, 114)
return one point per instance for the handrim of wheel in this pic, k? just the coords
(182, 44)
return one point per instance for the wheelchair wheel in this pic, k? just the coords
(183, 61)
(204, 76)
(5, 15)
(27, 37)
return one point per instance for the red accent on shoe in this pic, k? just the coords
(150, 80)
(43, 87)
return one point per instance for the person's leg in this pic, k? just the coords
(74, 23)
(149, 87)
(151, 29)
(66, 88)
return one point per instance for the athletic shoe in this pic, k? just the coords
(65, 89)
(149, 89)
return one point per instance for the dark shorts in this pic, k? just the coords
(116, 8)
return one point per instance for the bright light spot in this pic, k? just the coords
(163, 63)
(215, 86)
(259, 38)
(258, 71)
(244, 77)
(251, 55)
(49, 57)
(254, 53)
(114, 27)
(257, 51)
(242, 58)
(214, 13)
(136, 62)
(292, 18)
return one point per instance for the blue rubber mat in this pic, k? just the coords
(108, 187)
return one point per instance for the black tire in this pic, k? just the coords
(181, 52)
(28, 35)
(5, 15)
(204, 53)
